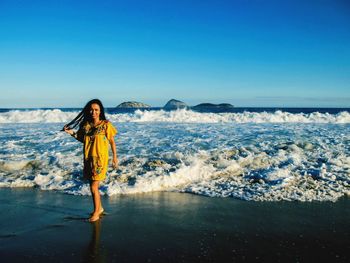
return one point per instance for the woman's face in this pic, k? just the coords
(95, 111)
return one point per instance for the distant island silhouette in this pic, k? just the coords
(174, 104)
(132, 105)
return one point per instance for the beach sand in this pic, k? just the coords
(47, 226)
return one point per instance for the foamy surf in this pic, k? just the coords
(249, 161)
(178, 116)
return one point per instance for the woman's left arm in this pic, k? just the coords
(114, 151)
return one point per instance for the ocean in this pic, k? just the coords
(256, 154)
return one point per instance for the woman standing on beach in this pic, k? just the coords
(96, 133)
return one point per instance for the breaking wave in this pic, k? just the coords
(178, 116)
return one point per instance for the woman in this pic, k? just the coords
(95, 132)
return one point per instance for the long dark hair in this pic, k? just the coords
(84, 116)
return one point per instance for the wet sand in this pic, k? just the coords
(47, 226)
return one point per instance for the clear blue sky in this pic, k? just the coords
(248, 53)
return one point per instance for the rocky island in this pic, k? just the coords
(132, 104)
(175, 104)
(221, 106)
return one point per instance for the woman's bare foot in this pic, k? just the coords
(94, 217)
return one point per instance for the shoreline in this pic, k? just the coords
(46, 226)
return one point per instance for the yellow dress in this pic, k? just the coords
(96, 141)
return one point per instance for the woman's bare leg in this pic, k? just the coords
(96, 198)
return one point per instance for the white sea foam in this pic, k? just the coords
(262, 162)
(36, 116)
(178, 116)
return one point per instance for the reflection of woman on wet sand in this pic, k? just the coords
(96, 133)
(95, 252)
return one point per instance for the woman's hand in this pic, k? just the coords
(115, 162)
(68, 130)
